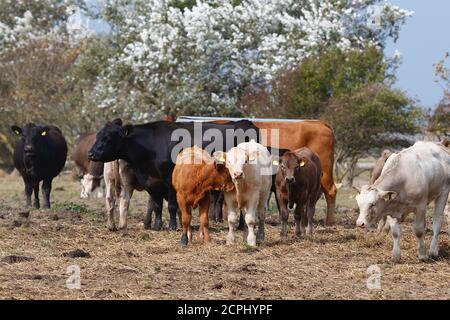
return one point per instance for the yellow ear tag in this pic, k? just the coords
(302, 163)
(17, 132)
(251, 158)
(44, 133)
(275, 162)
(222, 159)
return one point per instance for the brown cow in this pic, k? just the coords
(298, 186)
(376, 172)
(317, 136)
(194, 176)
(89, 172)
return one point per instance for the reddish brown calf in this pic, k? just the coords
(195, 175)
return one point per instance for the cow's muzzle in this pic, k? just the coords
(361, 223)
(92, 156)
(238, 175)
(289, 179)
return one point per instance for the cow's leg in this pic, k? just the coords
(186, 216)
(232, 223)
(28, 191)
(148, 214)
(447, 212)
(310, 213)
(36, 203)
(261, 219)
(329, 189)
(419, 226)
(250, 220)
(284, 217)
(173, 208)
(101, 189)
(46, 189)
(125, 195)
(218, 214)
(204, 221)
(438, 216)
(396, 234)
(301, 220)
(381, 224)
(110, 200)
(158, 199)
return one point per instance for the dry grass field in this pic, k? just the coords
(143, 264)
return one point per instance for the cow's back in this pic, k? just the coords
(314, 134)
(422, 170)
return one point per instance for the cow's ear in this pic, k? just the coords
(220, 157)
(117, 122)
(17, 130)
(388, 195)
(127, 129)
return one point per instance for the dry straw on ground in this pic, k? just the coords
(152, 265)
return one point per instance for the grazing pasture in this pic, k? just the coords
(152, 264)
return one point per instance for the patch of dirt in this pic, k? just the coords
(148, 264)
(16, 259)
(78, 253)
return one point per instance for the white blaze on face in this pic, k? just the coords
(366, 202)
(235, 161)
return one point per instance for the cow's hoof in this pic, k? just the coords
(173, 226)
(423, 257)
(395, 258)
(434, 253)
(147, 226)
(184, 240)
(157, 225)
(112, 228)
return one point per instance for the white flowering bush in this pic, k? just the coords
(201, 58)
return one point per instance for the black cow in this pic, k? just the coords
(151, 150)
(39, 155)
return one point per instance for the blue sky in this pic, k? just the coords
(424, 40)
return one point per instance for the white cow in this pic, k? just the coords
(409, 181)
(250, 168)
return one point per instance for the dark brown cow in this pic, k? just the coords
(89, 172)
(298, 189)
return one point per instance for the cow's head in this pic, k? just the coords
(109, 141)
(89, 184)
(224, 174)
(33, 137)
(290, 166)
(235, 161)
(372, 202)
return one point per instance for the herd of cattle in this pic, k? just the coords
(236, 178)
